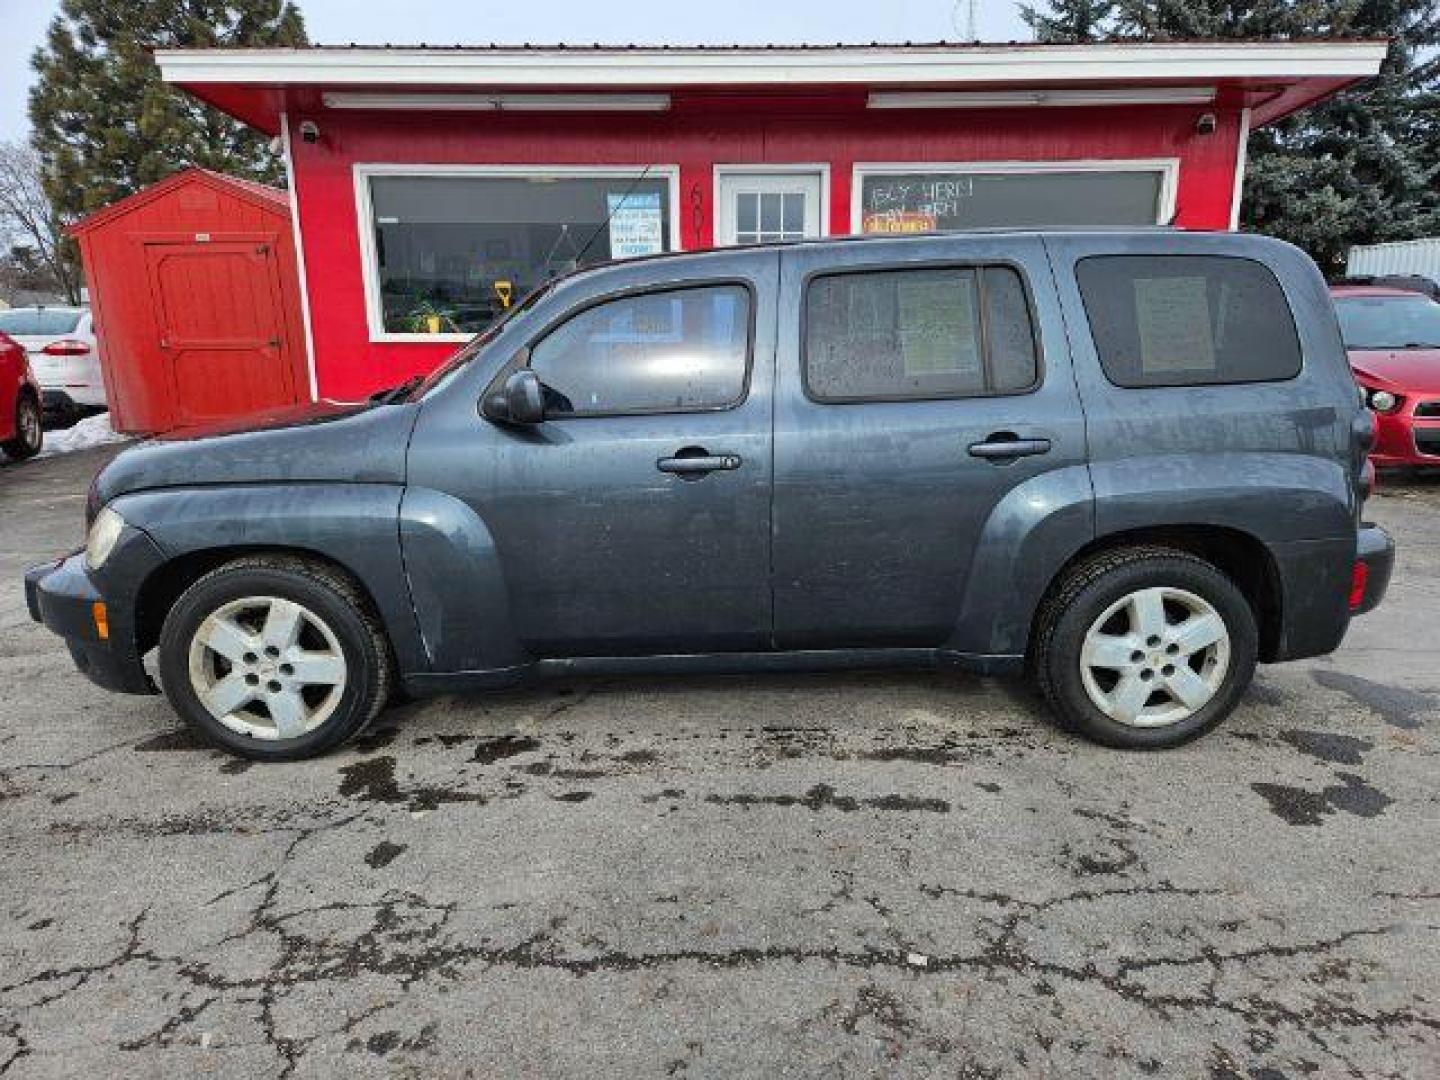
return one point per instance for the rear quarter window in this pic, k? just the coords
(1188, 320)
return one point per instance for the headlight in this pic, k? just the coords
(1383, 401)
(104, 534)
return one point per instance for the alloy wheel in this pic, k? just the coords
(1155, 657)
(267, 667)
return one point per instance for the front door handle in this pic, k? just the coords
(1003, 446)
(693, 461)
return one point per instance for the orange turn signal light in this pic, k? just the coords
(102, 619)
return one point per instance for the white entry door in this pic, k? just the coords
(764, 207)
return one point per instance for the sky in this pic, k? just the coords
(439, 22)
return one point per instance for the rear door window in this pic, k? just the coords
(896, 335)
(1188, 320)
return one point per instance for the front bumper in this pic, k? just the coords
(62, 595)
(1376, 550)
(1403, 439)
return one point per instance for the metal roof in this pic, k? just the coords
(1276, 77)
(844, 46)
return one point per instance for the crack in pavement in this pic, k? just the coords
(406, 941)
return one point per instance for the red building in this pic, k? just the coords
(433, 187)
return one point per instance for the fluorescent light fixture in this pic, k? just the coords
(1013, 99)
(501, 102)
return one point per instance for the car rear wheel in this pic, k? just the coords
(29, 429)
(274, 658)
(1145, 647)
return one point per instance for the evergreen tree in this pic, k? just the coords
(1070, 21)
(103, 122)
(1361, 167)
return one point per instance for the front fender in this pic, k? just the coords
(458, 584)
(352, 525)
(1029, 535)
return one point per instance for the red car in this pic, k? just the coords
(21, 432)
(1393, 338)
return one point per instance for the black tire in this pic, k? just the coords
(327, 593)
(29, 429)
(1086, 591)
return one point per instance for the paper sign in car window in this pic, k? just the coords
(937, 326)
(1172, 316)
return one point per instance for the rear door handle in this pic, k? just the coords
(696, 464)
(1005, 446)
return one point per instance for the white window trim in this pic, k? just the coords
(365, 220)
(721, 212)
(1169, 169)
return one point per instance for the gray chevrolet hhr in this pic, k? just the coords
(1131, 462)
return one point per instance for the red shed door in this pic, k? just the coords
(221, 327)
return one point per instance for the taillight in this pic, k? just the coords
(1359, 578)
(66, 347)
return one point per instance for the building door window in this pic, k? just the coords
(768, 207)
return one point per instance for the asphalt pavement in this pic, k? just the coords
(838, 875)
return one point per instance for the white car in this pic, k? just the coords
(64, 355)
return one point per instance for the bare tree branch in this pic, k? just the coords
(27, 217)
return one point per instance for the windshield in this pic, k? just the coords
(468, 351)
(1389, 322)
(39, 322)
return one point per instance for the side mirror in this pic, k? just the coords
(521, 400)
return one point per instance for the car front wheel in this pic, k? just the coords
(1144, 648)
(274, 658)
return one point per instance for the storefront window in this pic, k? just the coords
(452, 253)
(905, 202)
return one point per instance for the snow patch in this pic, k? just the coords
(92, 431)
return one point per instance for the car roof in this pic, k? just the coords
(893, 238)
(941, 234)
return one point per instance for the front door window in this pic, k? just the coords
(682, 350)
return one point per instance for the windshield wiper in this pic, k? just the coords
(397, 393)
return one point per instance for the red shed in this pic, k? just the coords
(433, 187)
(195, 294)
